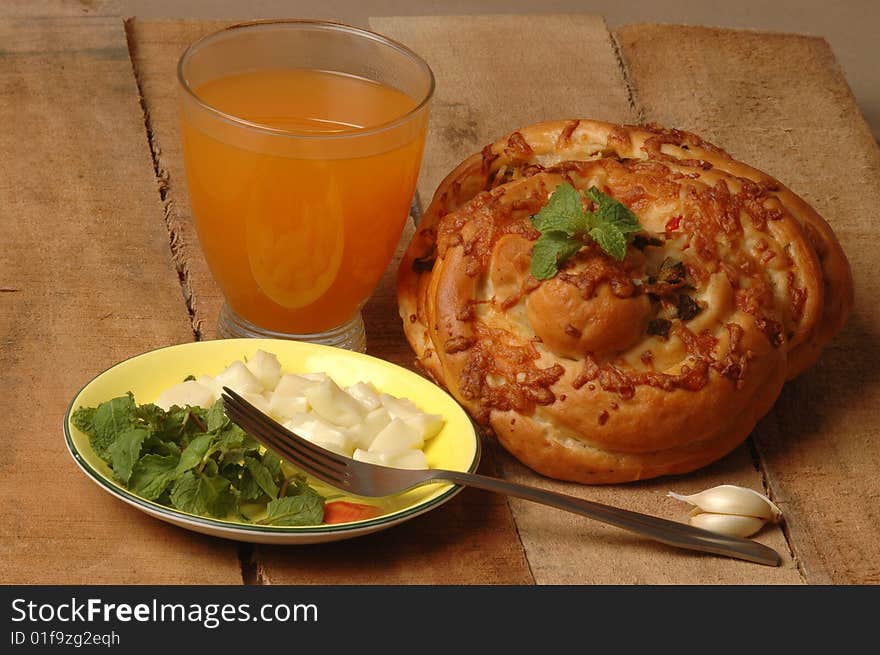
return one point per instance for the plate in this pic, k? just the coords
(456, 447)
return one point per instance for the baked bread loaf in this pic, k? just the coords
(614, 371)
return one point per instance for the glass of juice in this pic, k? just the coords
(302, 142)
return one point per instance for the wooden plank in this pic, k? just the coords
(780, 102)
(155, 49)
(495, 79)
(60, 8)
(86, 282)
(492, 81)
(441, 546)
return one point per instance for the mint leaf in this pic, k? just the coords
(225, 503)
(176, 425)
(562, 213)
(232, 438)
(564, 225)
(215, 418)
(196, 493)
(193, 454)
(551, 249)
(193, 459)
(250, 444)
(125, 451)
(306, 508)
(248, 487)
(151, 416)
(211, 467)
(83, 419)
(611, 223)
(612, 213)
(111, 419)
(155, 445)
(152, 474)
(190, 494)
(611, 240)
(298, 485)
(262, 476)
(272, 462)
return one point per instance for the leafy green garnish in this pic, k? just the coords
(195, 460)
(550, 250)
(197, 493)
(565, 226)
(563, 212)
(109, 420)
(262, 476)
(83, 420)
(304, 507)
(216, 418)
(152, 474)
(193, 454)
(125, 452)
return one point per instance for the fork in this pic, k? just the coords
(371, 480)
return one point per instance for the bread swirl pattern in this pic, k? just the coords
(614, 371)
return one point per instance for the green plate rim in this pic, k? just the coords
(355, 526)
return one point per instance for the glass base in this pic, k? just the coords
(350, 336)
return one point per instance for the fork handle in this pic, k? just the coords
(668, 532)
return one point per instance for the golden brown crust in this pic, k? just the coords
(616, 371)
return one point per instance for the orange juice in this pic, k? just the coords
(299, 213)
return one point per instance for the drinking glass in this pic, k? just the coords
(302, 142)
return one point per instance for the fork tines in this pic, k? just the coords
(311, 458)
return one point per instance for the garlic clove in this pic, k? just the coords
(731, 499)
(731, 525)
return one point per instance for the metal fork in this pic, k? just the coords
(371, 480)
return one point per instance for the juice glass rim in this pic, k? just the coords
(321, 25)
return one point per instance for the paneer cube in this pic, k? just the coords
(186, 394)
(334, 405)
(397, 435)
(266, 368)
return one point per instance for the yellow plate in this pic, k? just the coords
(456, 447)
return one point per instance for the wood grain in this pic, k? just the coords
(86, 281)
(492, 81)
(780, 102)
(498, 73)
(156, 48)
(60, 8)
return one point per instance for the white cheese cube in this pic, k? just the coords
(399, 407)
(284, 407)
(210, 383)
(258, 400)
(186, 394)
(334, 405)
(409, 459)
(364, 432)
(315, 377)
(266, 368)
(314, 429)
(239, 378)
(361, 455)
(365, 393)
(397, 435)
(293, 385)
(428, 425)
(404, 459)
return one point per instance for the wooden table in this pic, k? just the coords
(99, 261)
